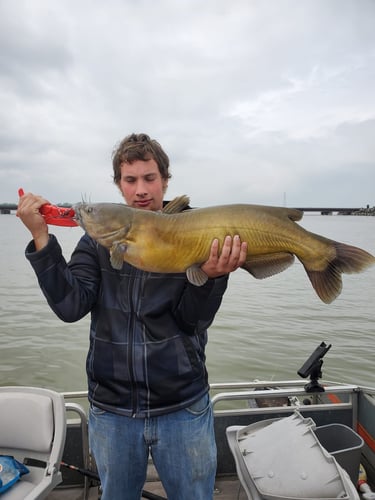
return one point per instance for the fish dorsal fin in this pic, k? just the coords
(176, 205)
(264, 266)
(196, 275)
(117, 252)
(294, 214)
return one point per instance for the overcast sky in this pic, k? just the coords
(254, 101)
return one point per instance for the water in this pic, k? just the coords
(264, 329)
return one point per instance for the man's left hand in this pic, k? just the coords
(232, 256)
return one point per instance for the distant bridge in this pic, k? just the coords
(327, 211)
(7, 208)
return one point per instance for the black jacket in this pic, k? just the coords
(148, 331)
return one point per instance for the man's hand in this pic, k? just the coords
(231, 257)
(28, 211)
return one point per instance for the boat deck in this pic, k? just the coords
(227, 488)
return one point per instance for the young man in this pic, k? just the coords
(147, 379)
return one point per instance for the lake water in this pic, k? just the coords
(264, 330)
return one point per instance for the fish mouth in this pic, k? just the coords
(82, 213)
(78, 208)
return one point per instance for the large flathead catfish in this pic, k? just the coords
(167, 242)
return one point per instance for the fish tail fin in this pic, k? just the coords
(349, 259)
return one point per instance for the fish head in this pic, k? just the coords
(106, 223)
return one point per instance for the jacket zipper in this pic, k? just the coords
(135, 295)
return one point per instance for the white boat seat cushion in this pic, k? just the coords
(31, 433)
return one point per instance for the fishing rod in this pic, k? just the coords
(95, 476)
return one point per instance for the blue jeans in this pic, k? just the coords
(182, 446)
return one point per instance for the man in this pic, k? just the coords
(147, 380)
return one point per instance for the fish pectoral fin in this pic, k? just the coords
(196, 275)
(176, 205)
(264, 266)
(117, 252)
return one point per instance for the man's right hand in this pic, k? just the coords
(28, 211)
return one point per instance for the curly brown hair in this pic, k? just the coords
(139, 147)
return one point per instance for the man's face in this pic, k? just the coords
(141, 185)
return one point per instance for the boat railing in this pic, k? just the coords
(75, 395)
(294, 392)
(283, 397)
(342, 395)
(79, 411)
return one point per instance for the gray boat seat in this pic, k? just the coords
(282, 459)
(33, 426)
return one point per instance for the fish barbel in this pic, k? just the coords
(168, 242)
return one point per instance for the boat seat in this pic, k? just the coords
(282, 459)
(32, 430)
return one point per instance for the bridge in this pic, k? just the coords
(7, 208)
(330, 210)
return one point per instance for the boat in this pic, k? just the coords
(338, 418)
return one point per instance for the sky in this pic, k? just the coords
(255, 101)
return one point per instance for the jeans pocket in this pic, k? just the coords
(200, 407)
(96, 412)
